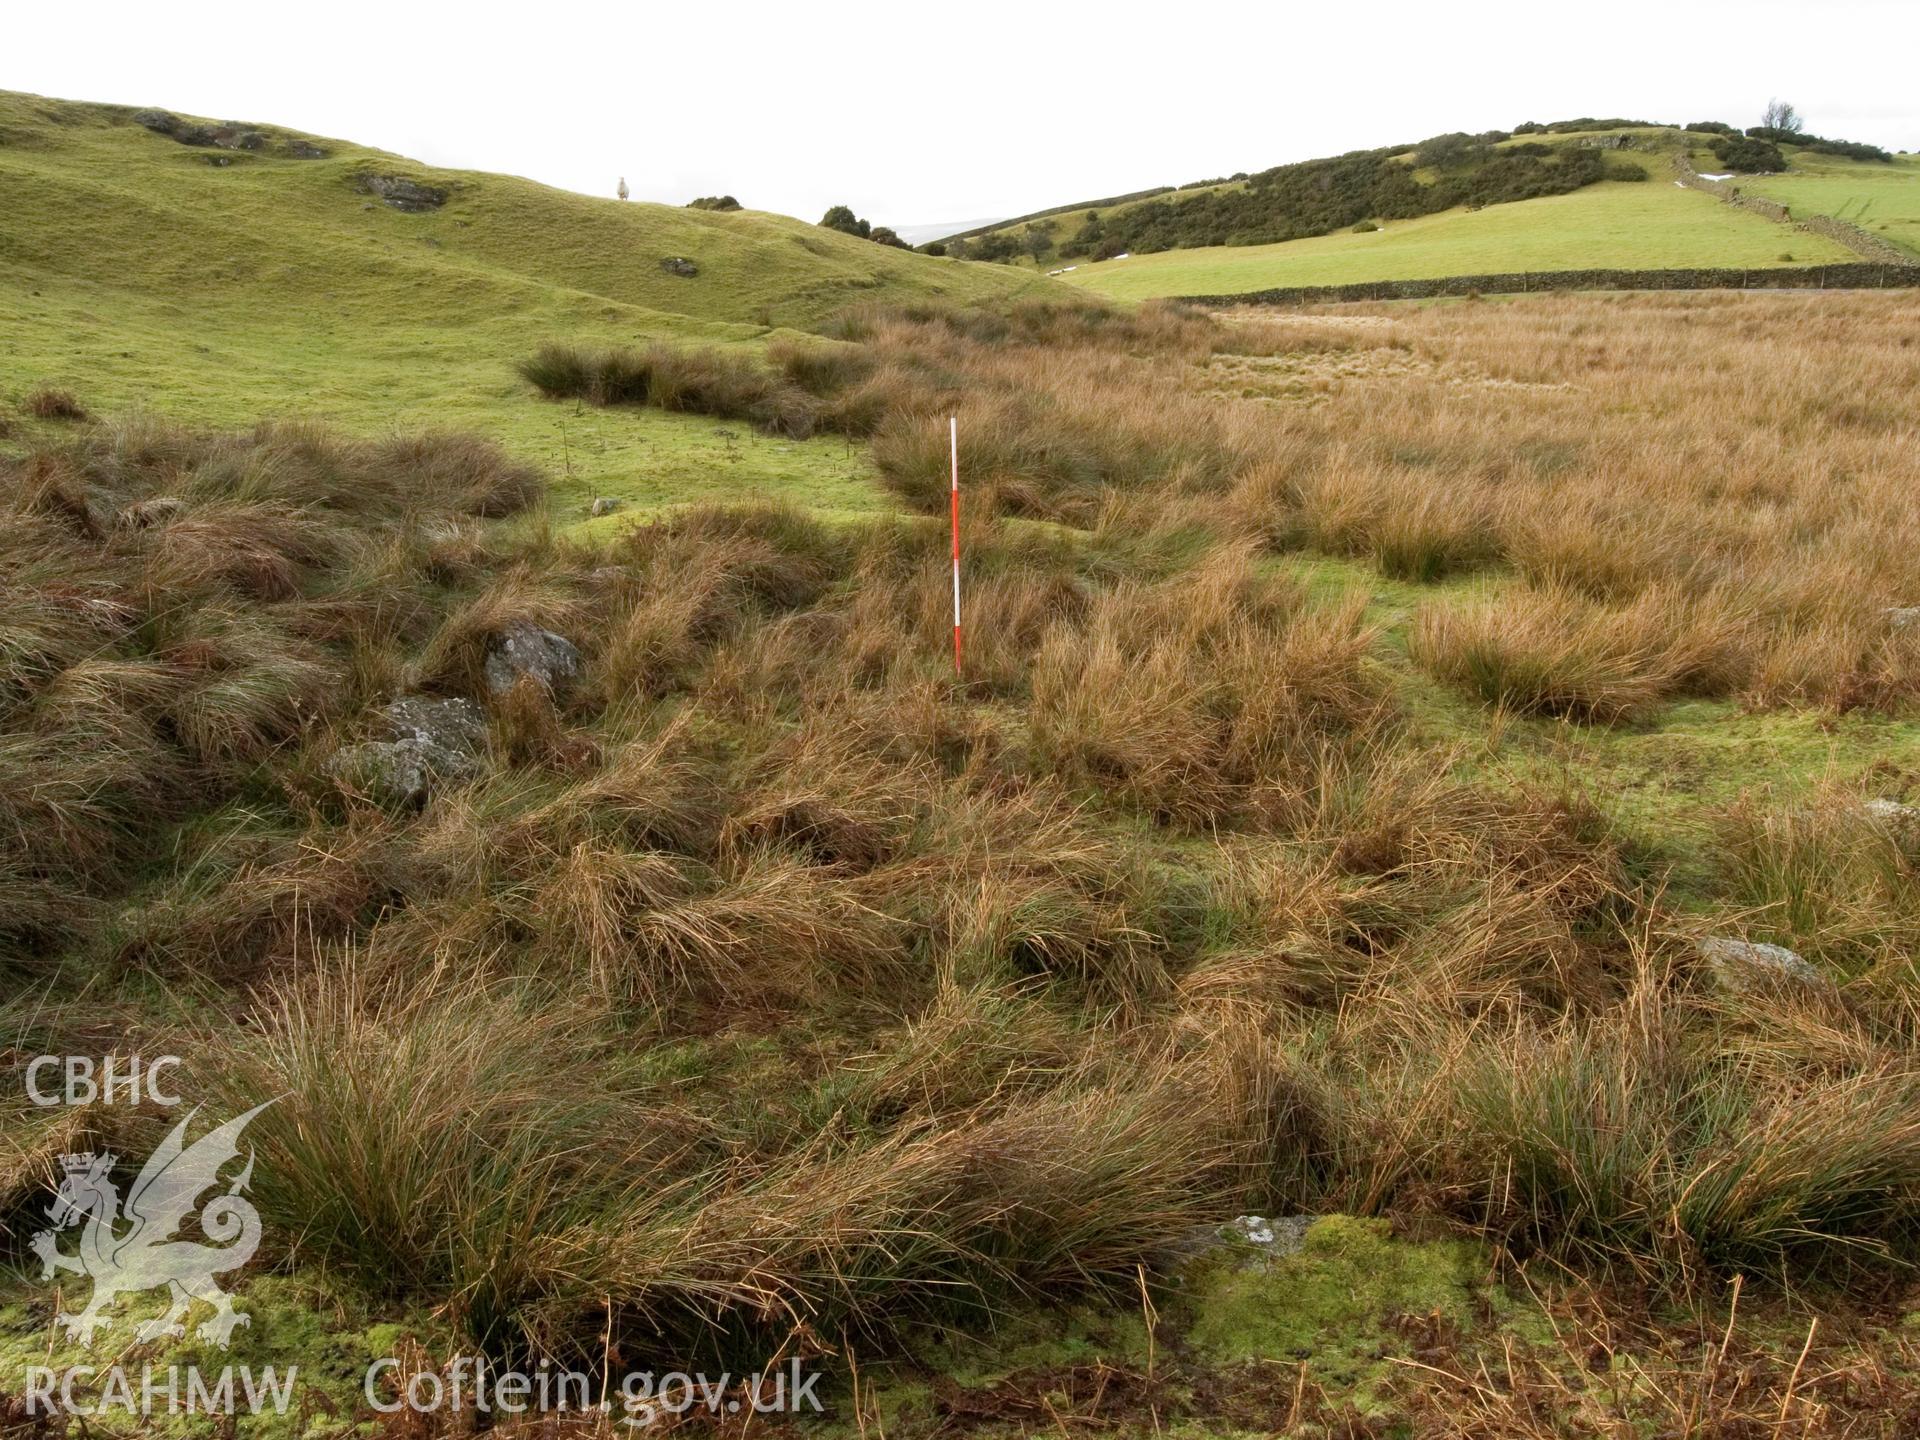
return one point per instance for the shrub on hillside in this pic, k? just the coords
(1321, 197)
(997, 246)
(1444, 150)
(714, 202)
(1712, 127)
(1846, 149)
(1747, 156)
(842, 218)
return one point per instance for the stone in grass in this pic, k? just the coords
(1892, 812)
(434, 742)
(606, 505)
(1742, 964)
(454, 723)
(523, 650)
(1904, 617)
(681, 266)
(1245, 1240)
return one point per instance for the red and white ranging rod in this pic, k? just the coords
(953, 435)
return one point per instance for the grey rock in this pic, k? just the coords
(1904, 617)
(606, 505)
(433, 742)
(305, 150)
(399, 772)
(454, 724)
(1892, 812)
(1742, 964)
(680, 265)
(402, 193)
(524, 650)
(162, 122)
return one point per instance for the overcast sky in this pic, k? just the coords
(915, 112)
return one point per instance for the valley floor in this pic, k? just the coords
(1386, 738)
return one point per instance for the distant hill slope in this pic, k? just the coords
(269, 274)
(1583, 195)
(1612, 226)
(1319, 197)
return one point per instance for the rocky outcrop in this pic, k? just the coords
(681, 266)
(187, 132)
(412, 196)
(451, 724)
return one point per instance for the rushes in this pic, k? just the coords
(1551, 652)
(698, 382)
(1829, 878)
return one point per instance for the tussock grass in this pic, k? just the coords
(47, 403)
(904, 991)
(1554, 653)
(151, 661)
(1830, 879)
(696, 382)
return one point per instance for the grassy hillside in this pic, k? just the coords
(1882, 199)
(1309, 198)
(1628, 226)
(1645, 224)
(217, 285)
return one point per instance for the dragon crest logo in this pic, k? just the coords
(132, 1248)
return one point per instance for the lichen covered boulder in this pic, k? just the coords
(525, 651)
(1743, 964)
(431, 743)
